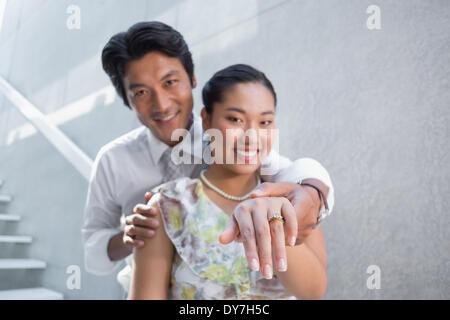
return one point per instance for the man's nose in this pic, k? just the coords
(162, 101)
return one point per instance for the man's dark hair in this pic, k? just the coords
(140, 39)
(226, 78)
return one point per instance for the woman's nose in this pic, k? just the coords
(250, 136)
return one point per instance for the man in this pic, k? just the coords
(152, 70)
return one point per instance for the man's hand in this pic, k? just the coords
(140, 225)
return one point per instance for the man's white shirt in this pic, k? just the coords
(127, 167)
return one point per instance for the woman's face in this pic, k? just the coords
(245, 119)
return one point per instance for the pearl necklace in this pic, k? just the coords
(222, 193)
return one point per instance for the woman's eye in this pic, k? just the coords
(234, 119)
(266, 123)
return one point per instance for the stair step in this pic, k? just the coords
(15, 239)
(30, 294)
(9, 217)
(22, 264)
(5, 198)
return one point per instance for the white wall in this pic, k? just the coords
(371, 105)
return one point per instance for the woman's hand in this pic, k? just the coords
(250, 223)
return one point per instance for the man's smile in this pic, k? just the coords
(167, 120)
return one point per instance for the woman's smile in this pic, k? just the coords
(246, 154)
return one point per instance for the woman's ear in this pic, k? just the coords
(206, 120)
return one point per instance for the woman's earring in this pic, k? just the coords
(206, 137)
(207, 153)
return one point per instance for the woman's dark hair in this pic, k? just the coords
(226, 78)
(140, 39)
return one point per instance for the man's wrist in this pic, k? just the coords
(315, 197)
(321, 192)
(117, 249)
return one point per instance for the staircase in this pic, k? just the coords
(17, 264)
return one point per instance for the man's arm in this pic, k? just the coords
(277, 168)
(101, 218)
(306, 199)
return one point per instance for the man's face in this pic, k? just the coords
(159, 90)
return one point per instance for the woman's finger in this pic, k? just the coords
(278, 238)
(263, 241)
(230, 232)
(290, 222)
(247, 232)
(239, 237)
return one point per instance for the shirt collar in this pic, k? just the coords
(157, 147)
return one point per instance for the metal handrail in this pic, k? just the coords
(55, 136)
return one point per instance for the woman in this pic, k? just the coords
(186, 259)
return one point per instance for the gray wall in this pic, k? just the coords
(371, 105)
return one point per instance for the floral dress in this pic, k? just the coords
(203, 268)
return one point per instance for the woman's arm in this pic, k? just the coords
(306, 276)
(152, 266)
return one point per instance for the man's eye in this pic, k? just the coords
(171, 82)
(266, 123)
(139, 93)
